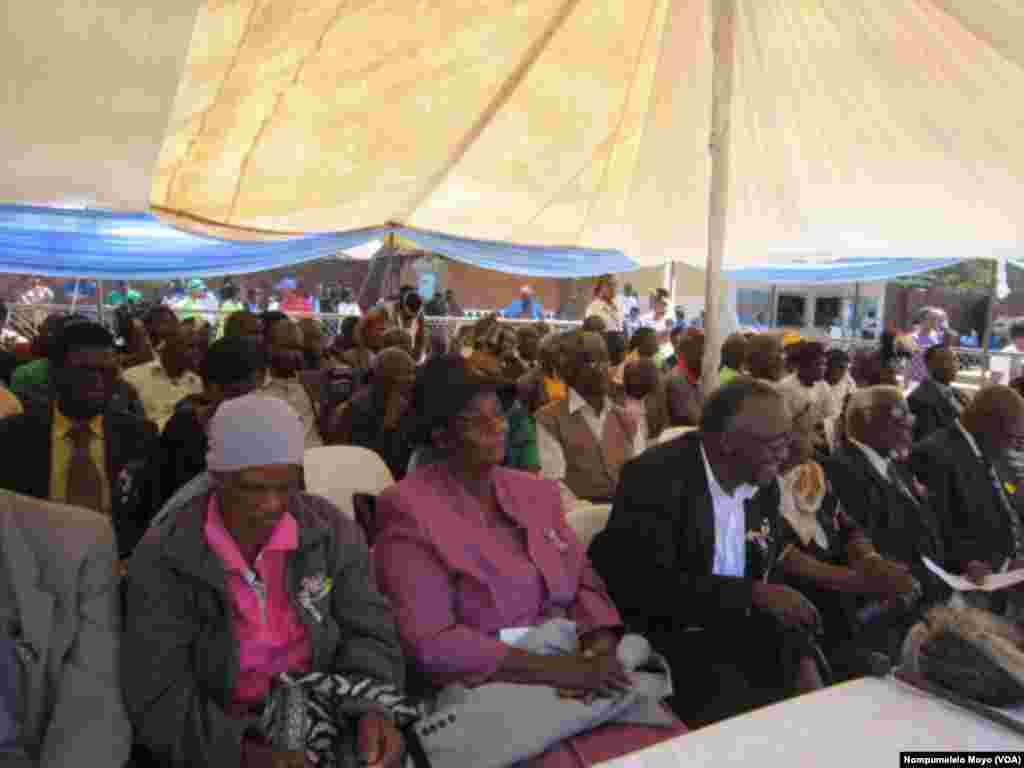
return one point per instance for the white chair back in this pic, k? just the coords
(336, 472)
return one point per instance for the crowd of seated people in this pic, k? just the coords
(184, 589)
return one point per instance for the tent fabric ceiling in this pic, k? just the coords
(88, 91)
(139, 246)
(585, 122)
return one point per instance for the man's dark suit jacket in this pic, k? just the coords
(130, 444)
(973, 523)
(657, 556)
(657, 552)
(900, 529)
(931, 408)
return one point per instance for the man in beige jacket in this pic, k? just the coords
(60, 690)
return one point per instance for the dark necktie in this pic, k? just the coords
(1016, 525)
(84, 480)
(893, 476)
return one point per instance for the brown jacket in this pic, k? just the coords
(591, 469)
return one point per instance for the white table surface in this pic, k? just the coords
(863, 723)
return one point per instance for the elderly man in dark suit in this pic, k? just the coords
(935, 403)
(59, 638)
(874, 486)
(962, 469)
(689, 539)
(78, 450)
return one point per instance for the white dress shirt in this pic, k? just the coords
(610, 313)
(293, 393)
(158, 392)
(838, 394)
(552, 457)
(730, 524)
(638, 410)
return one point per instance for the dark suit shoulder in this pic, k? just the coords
(666, 456)
(941, 443)
(129, 424)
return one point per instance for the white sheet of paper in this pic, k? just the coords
(512, 635)
(992, 583)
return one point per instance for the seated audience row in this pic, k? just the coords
(797, 513)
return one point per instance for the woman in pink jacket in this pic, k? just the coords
(467, 549)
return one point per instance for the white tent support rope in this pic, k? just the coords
(724, 44)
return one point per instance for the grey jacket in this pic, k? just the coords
(180, 654)
(475, 727)
(61, 563)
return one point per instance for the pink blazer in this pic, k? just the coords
(455, 582)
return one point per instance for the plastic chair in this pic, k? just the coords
(337, 472)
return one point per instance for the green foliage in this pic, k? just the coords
(972, 275)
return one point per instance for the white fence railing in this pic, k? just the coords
(25, 319)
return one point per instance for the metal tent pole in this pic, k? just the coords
(724, 46)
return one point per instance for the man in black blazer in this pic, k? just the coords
(960, 465)
(874, 485)
(934, 402)
(80, 450)
(689, 539)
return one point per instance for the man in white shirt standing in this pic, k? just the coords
(171, 377)
(808, 385)
(287, 356)
(1009, 368)
(604, 305)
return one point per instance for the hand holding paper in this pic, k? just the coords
(992, 583)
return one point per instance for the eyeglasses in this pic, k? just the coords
(898, 412)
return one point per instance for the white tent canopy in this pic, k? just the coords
(573, 122)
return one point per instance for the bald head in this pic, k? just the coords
(995, 417)
(869, 412)
(746, 430)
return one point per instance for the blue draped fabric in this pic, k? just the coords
(849, 270)
(532, 260)
(139, 246)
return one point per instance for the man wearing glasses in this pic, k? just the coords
(585, 440)
(964, 469)
(875, 486)
(687, 551)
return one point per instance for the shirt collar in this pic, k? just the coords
(62, 425)
(742, 493)
(576, 402)
(159, 370)
(874, 457)
(284, 538)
